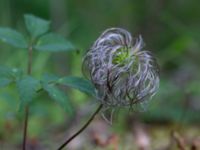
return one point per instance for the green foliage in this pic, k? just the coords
(4, 82)
(4, 76)
(53, 43)
(36, 26)
(8, 75)
(78, 83)
(13, 38)
(59, 96)
(27, 88)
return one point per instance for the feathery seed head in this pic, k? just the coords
(122, 73)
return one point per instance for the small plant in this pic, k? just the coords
(39, 39)
(122, 74)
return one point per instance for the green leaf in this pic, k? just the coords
(8, 75)
(78, 83)
(16, 74)
(59, 96)
(5, 72)
(35, 25)
(53, 43)
(13, 38)
(4, 82)
(27, 88)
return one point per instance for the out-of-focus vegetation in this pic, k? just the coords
(170, 28)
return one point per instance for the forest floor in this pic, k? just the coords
(100, 136)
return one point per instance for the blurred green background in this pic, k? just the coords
(170, 29)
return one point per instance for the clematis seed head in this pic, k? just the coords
(122, 72)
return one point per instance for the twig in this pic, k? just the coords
(29, 71)
(179, 140)
(82, 129)
(25, 127)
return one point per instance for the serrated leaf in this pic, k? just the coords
(78, 83)
(13, 38)
(27, 88)
(8, 75)
(53, 43)
(59, 96)
(35, 25)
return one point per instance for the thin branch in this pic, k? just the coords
(25, 127)
(29, 71)
(82, 129)
(179, 140)
(30, 55)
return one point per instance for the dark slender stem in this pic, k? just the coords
(82, 129)
(29, 71)
(30, 55)
(25, 127)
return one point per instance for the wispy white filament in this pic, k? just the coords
(132, 79)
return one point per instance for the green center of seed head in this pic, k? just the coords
(121, 56)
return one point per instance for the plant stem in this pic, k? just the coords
(29, 71)
(30, 55)
(82, 129)
(25, 127)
